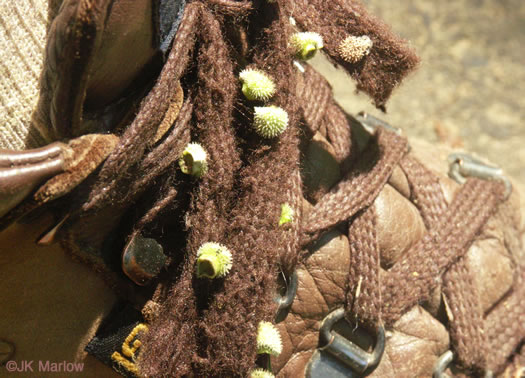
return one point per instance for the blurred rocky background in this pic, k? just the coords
(468, 90)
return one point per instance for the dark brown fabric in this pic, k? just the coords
(389, 60)
(466, 317)
(233, 7)
(145, 125)
(165, 201)
(210, 206)
(258, 244)
(203, 345)
(167, 152)
(315, 95)
(322, 113)
(426, 192)
(339, 134)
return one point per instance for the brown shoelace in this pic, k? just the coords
(383, 297)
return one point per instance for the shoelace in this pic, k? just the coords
(480, 342)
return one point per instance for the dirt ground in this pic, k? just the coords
(468, 90)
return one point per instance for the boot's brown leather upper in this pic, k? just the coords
(415, 341)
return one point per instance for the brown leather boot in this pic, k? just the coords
(349, 238)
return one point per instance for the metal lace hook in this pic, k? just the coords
(371, 123)
(462, 166)
(346, 351)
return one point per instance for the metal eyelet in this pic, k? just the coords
(444, 362)
(463, 166)
(346, 352)
(285, 301)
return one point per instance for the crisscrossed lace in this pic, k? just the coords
(439, 254)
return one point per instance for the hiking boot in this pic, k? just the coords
(246, 224)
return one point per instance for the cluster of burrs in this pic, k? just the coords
(268, 121)
(352, 49)
(271, 121)
(214, 260)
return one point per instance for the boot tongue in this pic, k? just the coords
(136, 36)
(126, 50)
(101, 58)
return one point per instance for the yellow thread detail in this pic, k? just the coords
(129, 348)
(126, 364)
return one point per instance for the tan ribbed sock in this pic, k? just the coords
(22, 43)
